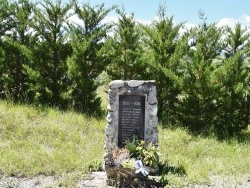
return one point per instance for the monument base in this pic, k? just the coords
(126, 177)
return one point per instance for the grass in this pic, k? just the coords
(47, 141)
(201, 157)
(36, 141)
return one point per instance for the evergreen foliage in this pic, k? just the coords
(86, 61)
(195, 107)
(162, 39)
(202, 75)
(233, 82)
(47, 71)
(125, 50)
(232, 103)
(15, 44)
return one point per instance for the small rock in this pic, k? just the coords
(153, 110)
(153, 122)
(109, 118)
(116, 84)
(135, 83)
(110, 130)
(111, 108)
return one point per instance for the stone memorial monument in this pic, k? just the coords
(132, 112)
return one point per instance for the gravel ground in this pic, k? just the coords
(225, 182)
(97, 179)
(31, 182)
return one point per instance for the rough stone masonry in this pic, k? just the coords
(132, 111)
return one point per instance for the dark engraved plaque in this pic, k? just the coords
(131, 118)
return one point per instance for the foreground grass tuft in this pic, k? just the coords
(49, 142)
(201, 158)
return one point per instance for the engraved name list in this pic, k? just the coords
(131, 118)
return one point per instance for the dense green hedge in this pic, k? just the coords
(202, 75)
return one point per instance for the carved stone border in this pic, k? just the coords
(132, 87)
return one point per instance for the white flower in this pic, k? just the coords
(141, 168)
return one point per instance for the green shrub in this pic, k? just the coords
(147, 153)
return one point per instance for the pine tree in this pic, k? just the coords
(4, 23)
(233, 82)
(48, 72)
(237, 40)
(167, 49)
(5, 18)
(196, 105)
(86, 61)
(17, 43)
(125, 49)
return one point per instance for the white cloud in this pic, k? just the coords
(227, 22)
(144, 22)
(73, 19)
(189, 25)
(244, 21)
(110, 19)
(114, 19)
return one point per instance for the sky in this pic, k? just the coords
(223, 12)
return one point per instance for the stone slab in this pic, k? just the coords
(96, 180)
(123, 124)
